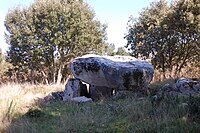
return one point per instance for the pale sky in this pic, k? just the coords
(114, 13)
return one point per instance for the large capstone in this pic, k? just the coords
(119, 72)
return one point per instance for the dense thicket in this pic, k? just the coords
(169, 34)
(45, 36)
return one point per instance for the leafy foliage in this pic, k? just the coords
(168, 34)
(45, 36)
(4, 67)
(122, 51)
(1, 56)
(109, 49)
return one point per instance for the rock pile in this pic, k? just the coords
(182, 87)
(188, 86)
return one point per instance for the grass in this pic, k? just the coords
(16, 99)
(157, 85)
(127, 114)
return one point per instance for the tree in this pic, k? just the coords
(4, 66)
(109, 49)
(1, 66)
(45, 36)
(169, 35)
(1, 56)
(183, 27)
(122, 51)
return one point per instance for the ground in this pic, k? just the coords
(128, 113)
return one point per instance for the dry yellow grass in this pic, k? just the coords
(16, 99)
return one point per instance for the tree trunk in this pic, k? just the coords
(54, 76)
(45, 78)
(59, 77)
(163, 67)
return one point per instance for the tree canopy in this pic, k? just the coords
(1, 56)
(122, 51)
(45, 36)
(167, 33)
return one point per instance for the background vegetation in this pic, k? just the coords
(168, 34)
(45, 36)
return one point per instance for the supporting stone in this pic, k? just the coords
(100, 92)
(74, 88)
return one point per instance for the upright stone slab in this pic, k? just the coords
(100, 92)
(119, 72)
(74, 88)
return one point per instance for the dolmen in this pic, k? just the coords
(106, 74)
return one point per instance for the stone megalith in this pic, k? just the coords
(118, 72)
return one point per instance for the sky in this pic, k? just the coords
(114, 13)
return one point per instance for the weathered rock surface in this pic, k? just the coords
(74, 88)
(187, 83)
(81, 99)
(51, 97)
(100, 92)
(58, 95)
(188, 86)
(119, 72)
(182, 87)
(169, 88)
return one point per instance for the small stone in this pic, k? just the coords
(81, 99)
